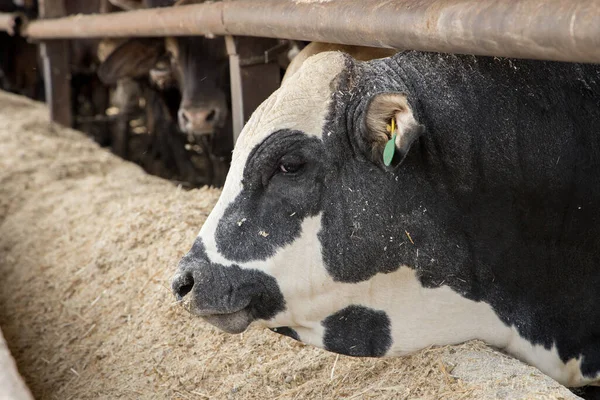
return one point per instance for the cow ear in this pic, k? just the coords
(132, 59)
(378, 121)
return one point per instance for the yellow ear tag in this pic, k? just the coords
(390, 146)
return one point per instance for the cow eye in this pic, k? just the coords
(289, 168)
(290, 165)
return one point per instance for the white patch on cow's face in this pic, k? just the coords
(302, 104)
(420, 316)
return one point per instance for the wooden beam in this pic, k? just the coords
(57, 73)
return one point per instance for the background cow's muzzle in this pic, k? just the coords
(228, 297)
(203, 119)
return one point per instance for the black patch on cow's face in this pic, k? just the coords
(286, 331)
(370, 215)
(282, 184)
(219, 289)
(358, 331)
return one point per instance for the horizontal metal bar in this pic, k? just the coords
(564, 30)
(9, 22)
(202, 19)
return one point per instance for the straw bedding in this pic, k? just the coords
(87, 246)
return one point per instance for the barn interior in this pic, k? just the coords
(103, 184)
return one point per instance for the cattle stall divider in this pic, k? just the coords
(56, 69)
(235, 77)
(561, 30)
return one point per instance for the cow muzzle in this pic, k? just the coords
(228, 297)
(200, 121)
(218, 305)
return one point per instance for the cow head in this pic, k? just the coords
(200, 65)
(196, 65)
(313, 235)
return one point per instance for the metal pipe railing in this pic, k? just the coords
(201, 19)
(563, 30)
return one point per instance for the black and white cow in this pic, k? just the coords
(486, 224)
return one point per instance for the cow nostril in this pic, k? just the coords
(184, 117)
(183, 285)
(211, 116)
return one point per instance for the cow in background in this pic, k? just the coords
(90, 97)
(191, 74)
(198, 67)
(140, 105)
(20, 67)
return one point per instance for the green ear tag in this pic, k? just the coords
(389, 150)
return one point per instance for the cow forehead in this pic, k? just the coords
(301, 103)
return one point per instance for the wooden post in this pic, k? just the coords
(57, 73)
(237, 102)
(251, 83)
(260, 72)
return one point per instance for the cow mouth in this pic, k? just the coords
(235, 322)
(230, 298)
(200, 135)
(228, 321)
